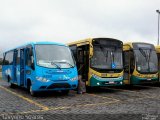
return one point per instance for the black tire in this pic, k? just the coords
(65, 92)
(11, 85)
(32, 93)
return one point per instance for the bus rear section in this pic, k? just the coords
(140, 63)
(158, 55)
(99, 61)
(42, 66)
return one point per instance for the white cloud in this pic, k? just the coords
(22, 21)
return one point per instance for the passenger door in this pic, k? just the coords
(17, 66)
(83, 61)
(22, 66)
(126, 61)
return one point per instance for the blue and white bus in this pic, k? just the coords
(41, 66)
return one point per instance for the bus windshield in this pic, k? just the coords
(146, 59)
(54, 56)
(105, 57)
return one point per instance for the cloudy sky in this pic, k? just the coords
(22, 21)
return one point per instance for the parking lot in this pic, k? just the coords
(133, 102)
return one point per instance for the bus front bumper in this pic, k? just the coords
(54, 86)
(137, 80)
(106, 81)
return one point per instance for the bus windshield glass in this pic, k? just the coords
(146, 58)
(107, 57)
(54, 56)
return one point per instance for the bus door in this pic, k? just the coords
(15, 66)
(22, 66)
(83, 61)
(126, 61)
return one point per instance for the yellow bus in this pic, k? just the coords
(140, 63)
(158, 55)
(99, 61)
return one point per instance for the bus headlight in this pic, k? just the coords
(98, 83)
(73, 79)
(42, 79)
(95, 76)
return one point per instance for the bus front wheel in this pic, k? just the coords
(31, 91)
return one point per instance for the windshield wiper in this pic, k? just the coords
(112, 54)
(143, 53)
(147, 57)
(106, 55)
(56, 65)
(67, 63)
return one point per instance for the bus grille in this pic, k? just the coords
(59, 85)
(147, 81)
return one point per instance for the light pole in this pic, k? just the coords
(158, 25)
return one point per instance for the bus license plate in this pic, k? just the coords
(148, 79)
(111, 82)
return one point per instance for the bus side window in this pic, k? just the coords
(8, 58)
(5, 61)
(18, 57)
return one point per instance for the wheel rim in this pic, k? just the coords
(31, 92)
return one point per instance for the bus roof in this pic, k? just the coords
(87, 41)
(40, 43)
(129, 45)
(157, 48)
(80, 41)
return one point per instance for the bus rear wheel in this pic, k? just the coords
(11, 85)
